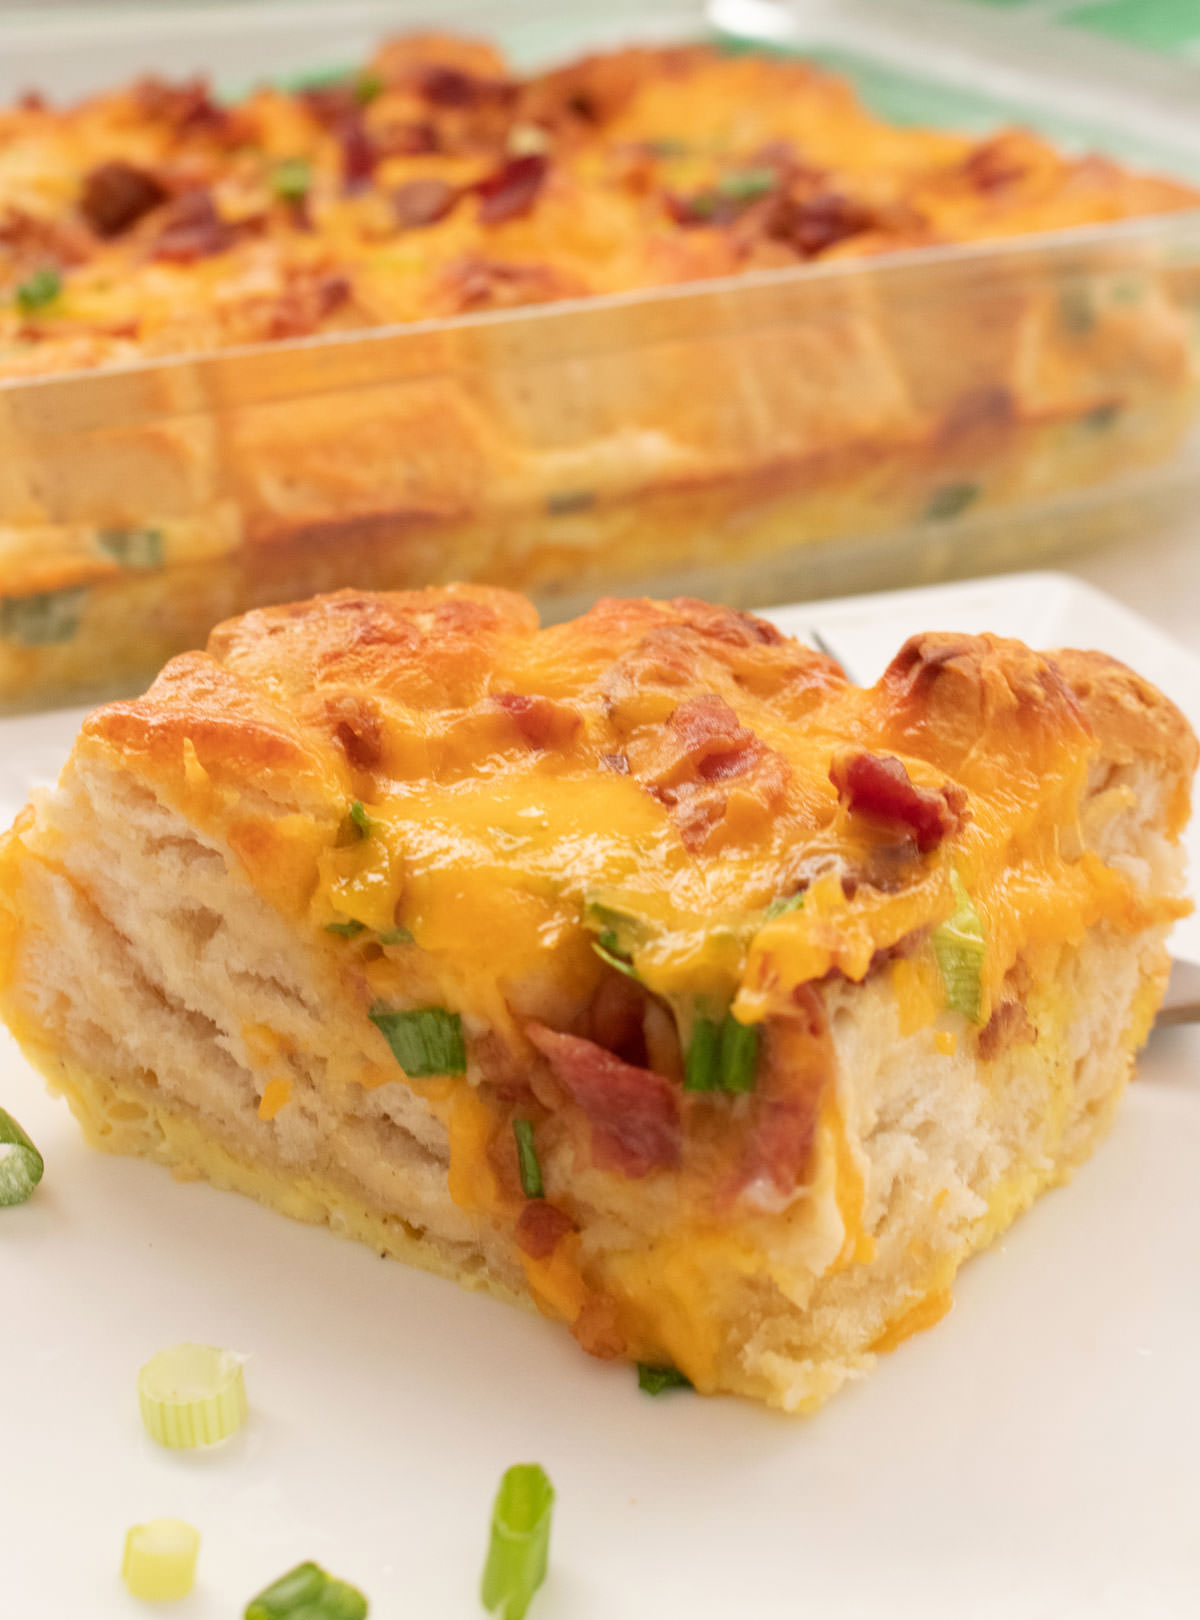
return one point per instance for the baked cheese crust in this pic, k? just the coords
(642, 967)
(138, 509)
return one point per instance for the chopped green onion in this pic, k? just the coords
(739, 1055)
(607, 948)
(360, 820)
(520, 1541)
(43, 618)
(531, 1171)
(159, 1565)
(132, 548)
(721, 1056)
(747, 184)
(655, 1379)
(950, 500)
(782, 904)
(702, 1064)
(21, 1165)
(424, 1040)
(291, 180)
(192, 1395)
(367, 88)
(395, 936)
(347, 929)
(41, 288)
(307, 1593)
(959, 945)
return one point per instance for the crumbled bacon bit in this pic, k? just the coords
(796, 1065)
(356, 727)
(451, 87)
(1010, 1025)
(511, 190)
(423, 202)
(633, 1113)
(994, 164)
(184, 107)
(812, 225)
(541, 1227)
(539, 720)
(116, 195)
(359, 155)
(879, 786)
(713, 738)
(192, 229)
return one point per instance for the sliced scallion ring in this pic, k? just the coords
(527, 1160)
(21, 1165)
(520, 1541)
(192, 1395)
(959, 947)
(653, 1380)
(307, 1593)
(159, 1565)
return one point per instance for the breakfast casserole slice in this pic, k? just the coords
(641, 967)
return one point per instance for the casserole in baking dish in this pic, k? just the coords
(254, 349)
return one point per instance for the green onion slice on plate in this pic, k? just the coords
(159, 1565)
(520, 1541)
(21, 1164)
(192, 1395)
(307, 1593)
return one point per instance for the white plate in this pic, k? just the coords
(1032, 1457)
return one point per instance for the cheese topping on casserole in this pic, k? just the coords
(631, 924)
(157, 220)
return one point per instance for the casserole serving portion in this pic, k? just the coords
(256, 349)
(640, 968)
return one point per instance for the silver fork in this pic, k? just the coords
(1181, 1004)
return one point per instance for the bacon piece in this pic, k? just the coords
(356, 726)
(185, 107)
(633, 1113)
(541, 1227)
(451, 87)
(540, 721)
(1010, 1025)
(879, 786)
(712, 738)
(116, 195)
(811, 225)
(797, 1063)
(423, 202)
(359, 155)
(192, 229)
(511, 190)
(995, 163)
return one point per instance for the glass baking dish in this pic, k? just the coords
(805, 432)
